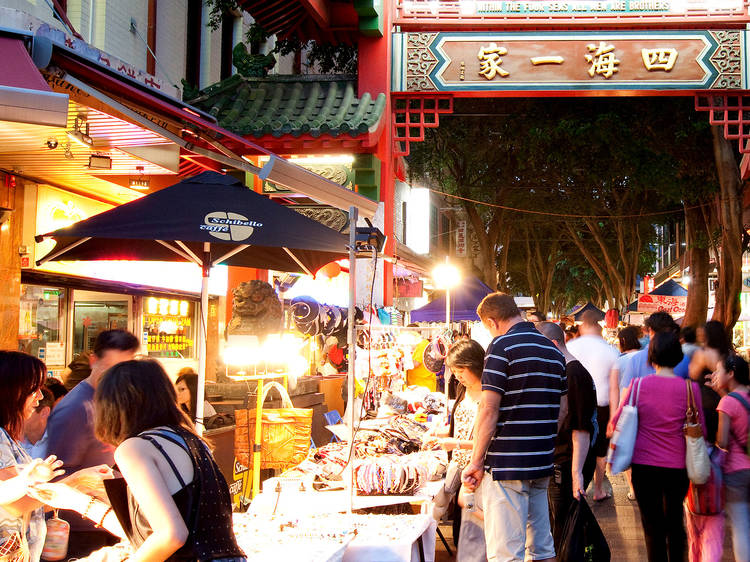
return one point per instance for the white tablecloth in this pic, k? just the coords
(381, 538)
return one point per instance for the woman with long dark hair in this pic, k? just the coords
(186, 386)
(21, 517)
(178, 503)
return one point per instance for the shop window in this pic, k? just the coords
(91, 317)
(193, 43)
(170, 327)
(42, 313)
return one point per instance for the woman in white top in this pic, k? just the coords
(466, 360)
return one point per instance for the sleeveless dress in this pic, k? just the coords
(204, 504)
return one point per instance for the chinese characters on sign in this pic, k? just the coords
(490, 61)
(659, 59)
(601, 58)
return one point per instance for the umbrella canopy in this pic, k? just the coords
(464, 301)
(577, 312)
(209, 219)
(243, 228)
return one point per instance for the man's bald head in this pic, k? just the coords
(552, 332)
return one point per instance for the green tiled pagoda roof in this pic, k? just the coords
(291, 105)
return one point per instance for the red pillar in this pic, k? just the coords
(375, 77)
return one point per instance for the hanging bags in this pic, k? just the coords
(583, 539)
(285, 433)
(696, 453)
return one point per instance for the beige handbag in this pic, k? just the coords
(696, 453)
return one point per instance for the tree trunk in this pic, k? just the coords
(697, 259)
(727, 308)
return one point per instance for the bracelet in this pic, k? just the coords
(92, 501)
(101, 521)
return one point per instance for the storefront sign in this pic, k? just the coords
(461, 239)
(543, 61)
(55, 353)
(655, 303)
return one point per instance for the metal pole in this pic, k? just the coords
(351, 347)
(446, 370)
(202, 340)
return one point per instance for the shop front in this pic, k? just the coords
(65, 305)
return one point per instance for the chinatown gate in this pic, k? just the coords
(446, 50)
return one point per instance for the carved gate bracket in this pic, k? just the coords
(411, 115)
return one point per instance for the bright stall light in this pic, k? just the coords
(446, 276)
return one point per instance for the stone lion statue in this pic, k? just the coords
(256, 310)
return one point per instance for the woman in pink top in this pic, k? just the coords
(731, 381)
(659, 476)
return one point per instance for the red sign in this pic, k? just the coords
(656, 303)
(461, 239)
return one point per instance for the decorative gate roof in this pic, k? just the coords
(282, 111)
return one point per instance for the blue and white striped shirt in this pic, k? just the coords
(528, 371)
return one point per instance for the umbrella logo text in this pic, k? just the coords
(229, 226)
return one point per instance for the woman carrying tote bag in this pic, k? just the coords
(660, 478)
(465, 360)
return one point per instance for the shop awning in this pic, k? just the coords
(190, 128)
(464, 301)
(25, 96)
(577, 312)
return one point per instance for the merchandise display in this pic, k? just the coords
(329, 537)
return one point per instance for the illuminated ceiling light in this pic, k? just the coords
(80, 132)
(140, 182)
(100, 162)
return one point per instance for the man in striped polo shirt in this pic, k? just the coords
(514, 437)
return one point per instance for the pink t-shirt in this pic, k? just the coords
(662, 403)
(737, 458)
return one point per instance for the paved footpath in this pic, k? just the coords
(620, 520)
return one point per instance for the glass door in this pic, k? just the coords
(95, 312)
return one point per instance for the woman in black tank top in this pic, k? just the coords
(173, 503)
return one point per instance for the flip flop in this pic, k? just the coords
(606, 496)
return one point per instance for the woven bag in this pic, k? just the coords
(285, 433)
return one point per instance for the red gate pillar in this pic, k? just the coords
(375, 77)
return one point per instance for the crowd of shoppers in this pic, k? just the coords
(528, 431)
(165, 494)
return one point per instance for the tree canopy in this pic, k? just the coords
(583, 183)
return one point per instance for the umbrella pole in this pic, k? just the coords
(352, 348)
(202, 340)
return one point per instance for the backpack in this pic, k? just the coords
(738, 396)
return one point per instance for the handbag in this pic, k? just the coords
(696, 453)
(442, 500)
(708, 498)
(285, 433)
(622, 444)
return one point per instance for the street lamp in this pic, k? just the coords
(446, 276)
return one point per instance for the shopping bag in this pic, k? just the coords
(708, 498)
(696, 452)
(583, 539)
(621, 446)
(452, 484)
(285, 433)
